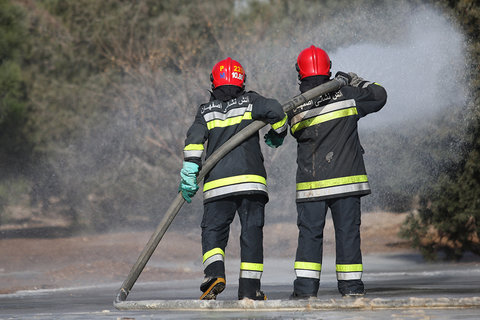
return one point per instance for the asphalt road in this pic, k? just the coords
(392, 279)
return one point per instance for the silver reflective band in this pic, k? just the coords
(314, 193)
(212, 259)
(234, 188)
(349, 275)
(192, 153)
(250, 274)
(282, 128)
(366, 84)
(307, 273)
(322, 110)
(223, 116)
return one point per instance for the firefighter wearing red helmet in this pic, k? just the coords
(330, 172)
(313, 61)
(228, 72)
(237, 183)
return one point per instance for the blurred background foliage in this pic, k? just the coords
(96, 98)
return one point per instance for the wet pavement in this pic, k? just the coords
(394, 283)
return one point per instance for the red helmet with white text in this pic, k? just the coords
(228, 72)
(313, 61)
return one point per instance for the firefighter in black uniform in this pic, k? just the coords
(331, 172)
(237, 183)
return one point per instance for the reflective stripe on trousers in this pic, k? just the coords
(251, 270)
(308, 269)
(349, 271)
(213, 255)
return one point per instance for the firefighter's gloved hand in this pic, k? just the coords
(187, 191)
(350, 78)
(345, 77)
(356, 80)
(188, 183)
(273, 139)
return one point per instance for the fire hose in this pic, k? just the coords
(177, 203)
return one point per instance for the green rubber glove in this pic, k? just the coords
(273, 139)
(188, 183)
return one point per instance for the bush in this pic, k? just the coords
(448, 220)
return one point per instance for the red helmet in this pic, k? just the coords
(228, 72)
(313, 61)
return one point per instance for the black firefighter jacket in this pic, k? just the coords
(241, 171)
(329, 154)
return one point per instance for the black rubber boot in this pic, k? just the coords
(250, 289)
(297, 296)
(211, 287)
(304, 288)
(259, 295)
(351, 288)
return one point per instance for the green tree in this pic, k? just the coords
(14, 108)
(448, 219)
(13, 96)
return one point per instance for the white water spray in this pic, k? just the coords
(424, 73)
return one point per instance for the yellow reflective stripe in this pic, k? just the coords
(331, 182)
(324, 118)
(233, 180)
(251, 266)
(213, 252)
(193, 147)
(308, 265)
(280, 123)
(234, 188)
(228, 122)
(349, 267)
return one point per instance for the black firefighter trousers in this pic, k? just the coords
(311, 221)
(217, 217)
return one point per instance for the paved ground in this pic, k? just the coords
(45, 274)
(390, 277)
(45, 258)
